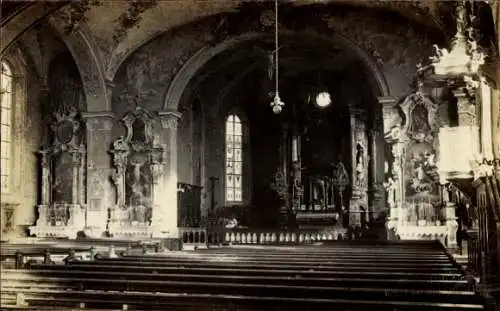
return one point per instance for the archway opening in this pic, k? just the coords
(240, 81)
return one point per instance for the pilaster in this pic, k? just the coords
(486, 120)
(391, 186)
(359, 165)
(165, 214)
(376, 184)
(467, 114)
(99, 190)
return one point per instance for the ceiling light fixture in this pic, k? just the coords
(276, 104)
(323, 99)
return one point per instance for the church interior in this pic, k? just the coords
(250, 155)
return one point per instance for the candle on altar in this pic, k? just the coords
(295, 155)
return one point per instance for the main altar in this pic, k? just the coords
(326, 178)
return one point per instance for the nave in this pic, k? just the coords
(339, 275)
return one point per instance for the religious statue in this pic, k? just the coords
(340, 176)
(390, 187)
(360, 165)
(419, 123)
(446, 194)
(340, 180)
(318, 191)
(297, 174)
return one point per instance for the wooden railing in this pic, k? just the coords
(204, 237)
(484, 255)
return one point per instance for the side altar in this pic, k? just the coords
(417, 198)
(61, 212)
(139, 159)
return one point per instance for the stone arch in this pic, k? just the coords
(200, 58)
(90, 65)
(15, 26)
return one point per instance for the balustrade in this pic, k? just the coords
(245, 236)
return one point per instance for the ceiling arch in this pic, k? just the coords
(168, 15)
(193, 66)
(23, 19)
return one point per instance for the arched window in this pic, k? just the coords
(6, 125)
(234, 159)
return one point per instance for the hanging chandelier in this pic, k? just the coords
(276, 104)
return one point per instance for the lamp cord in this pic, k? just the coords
(276, 43)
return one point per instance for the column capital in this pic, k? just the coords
(169, 119)
(98, 120)
(373, 133)
(357, 112)
(98, 115)
(387, 100)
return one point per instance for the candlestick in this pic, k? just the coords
(295, 156)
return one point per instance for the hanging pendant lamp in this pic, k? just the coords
(276, 104)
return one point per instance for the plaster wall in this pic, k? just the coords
(27, 132)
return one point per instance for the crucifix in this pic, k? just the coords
(212, 193)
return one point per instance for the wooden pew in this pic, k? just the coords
(195, 302)
(310, 278)
(17, 255)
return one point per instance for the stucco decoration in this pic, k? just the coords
(131, 17)
(90, 62)
(383, 44)
(65, 86)
(145, 75)
(382, 39)
(73, 15)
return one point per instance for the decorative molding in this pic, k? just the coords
(170, 119)
(96, 121)
(98, 115)
(132, 17)
(73, 15)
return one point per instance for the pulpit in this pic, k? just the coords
(138, 161)
(61, 210)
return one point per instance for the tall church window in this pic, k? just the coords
(6, 95)
(234, 159)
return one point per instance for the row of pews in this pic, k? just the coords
(17, 255)
(332, 276)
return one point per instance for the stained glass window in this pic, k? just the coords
(234, 159)
(6, 125)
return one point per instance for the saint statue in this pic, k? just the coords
(419, 121)
(390, 187)
(341, 178)
(360, 165)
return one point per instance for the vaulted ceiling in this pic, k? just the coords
(119, 27)
(301, 58)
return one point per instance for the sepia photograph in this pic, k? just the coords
(250, 155)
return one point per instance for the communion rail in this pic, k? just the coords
(205, 237)
(484, 237)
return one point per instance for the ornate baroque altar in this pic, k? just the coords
(138, 158)
(416, 199)
(61, 212)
